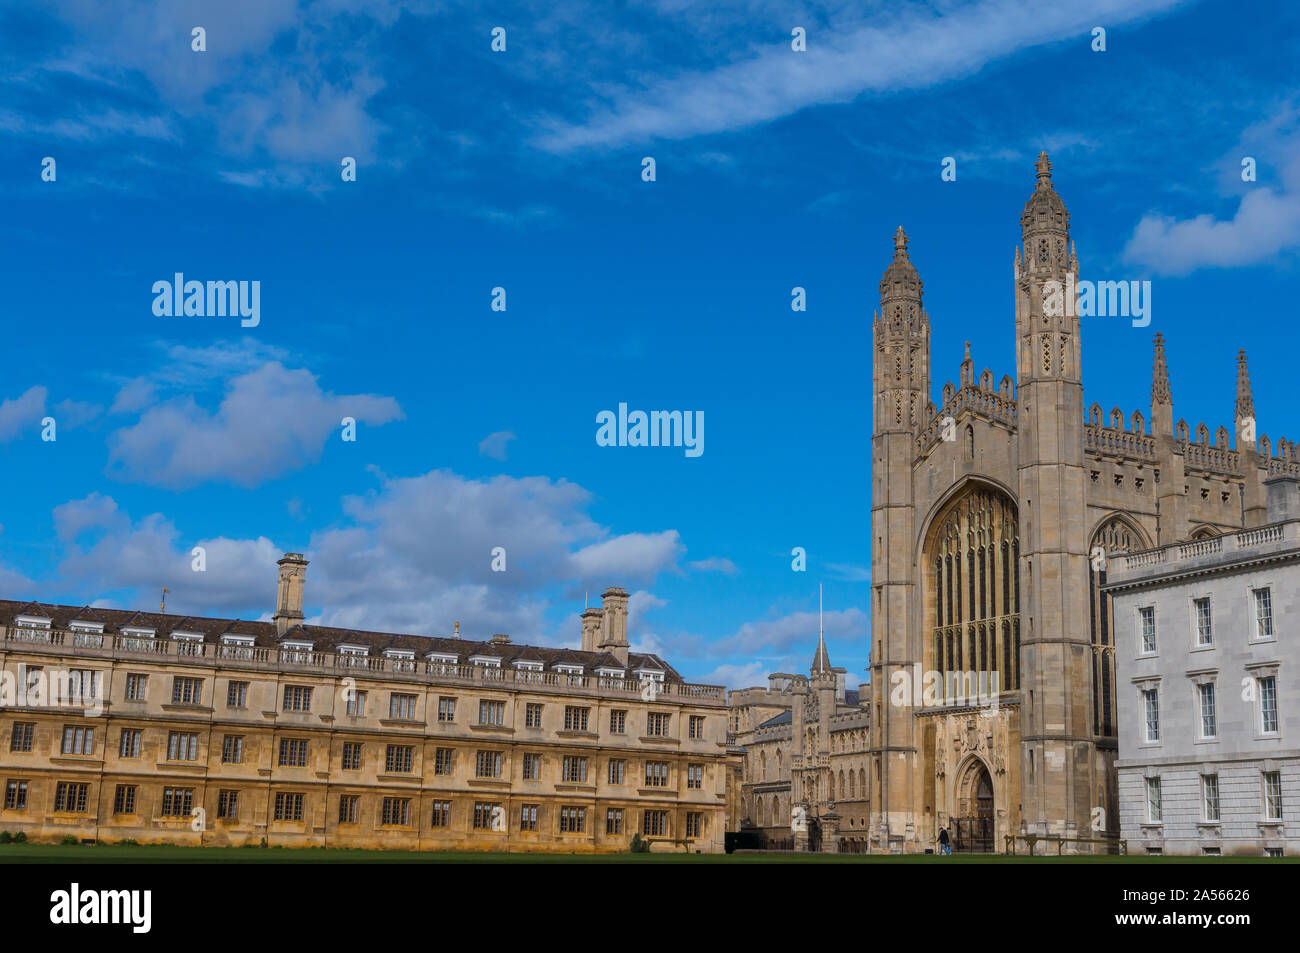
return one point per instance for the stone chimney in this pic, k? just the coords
(613, 638)
(592, 627)
(1283, 497)
(288, 597)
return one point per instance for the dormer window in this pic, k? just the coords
(403, 659)
(606, 672)
(353, 656)
(296, 652)
(487, 661)
(188, 643)
(237, 646)
(87, 634)
(528, 670)
(441, 662)
(31, 628)
(137, 639)
(574, 673)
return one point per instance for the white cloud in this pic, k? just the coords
(715, 564)
(22, 413)
(749, 675)
(1265, 223)
(630, 556)
(920, 48)
(105, 550)
(796, 630)
(494, 445)
(76, 413)
(412, 556)
(271, 421)
(850, 573)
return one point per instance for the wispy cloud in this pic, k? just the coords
(494, 445)
(920, 48)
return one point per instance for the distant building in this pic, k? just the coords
(123, 724)
(1209, 744)
(805, 740)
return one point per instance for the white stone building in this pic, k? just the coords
(1207, 658)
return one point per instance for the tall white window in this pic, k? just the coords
(1209, 723)
(1204, 623)
(1263, 613)
(1153, 800)
(1151, 702)
(1210, 790)
(1147, 615)
(1268, 705)
(1273, 795)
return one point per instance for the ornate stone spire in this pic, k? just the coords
(1245, 402)
(1160, 392)
(1162, 398)
(1044, 167)
(901, 277)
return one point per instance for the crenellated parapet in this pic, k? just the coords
(976, 397)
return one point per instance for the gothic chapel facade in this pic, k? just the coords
(988, 553)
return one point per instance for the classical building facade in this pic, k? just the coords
(1209, 743)
(804, 780)
(991, 517)
(122, 725)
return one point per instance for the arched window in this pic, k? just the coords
(974, 627)
(1116, 535)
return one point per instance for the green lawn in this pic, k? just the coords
(161, 854)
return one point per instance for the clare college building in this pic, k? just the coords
(124, 725)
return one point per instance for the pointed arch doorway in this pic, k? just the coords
(973, 823)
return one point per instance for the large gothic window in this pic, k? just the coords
(973, 596)
(1116, 535)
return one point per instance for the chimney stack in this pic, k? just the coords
(613, 638)
(592, 626)
(288, 598)
(1283, 498)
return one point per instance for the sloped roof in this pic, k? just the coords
(325, 638)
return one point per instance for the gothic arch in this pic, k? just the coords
(1111, 531)
(970, 591)
(1114, 533)
(1204, 532)
(974, 779)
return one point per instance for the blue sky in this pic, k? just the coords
(522, 169)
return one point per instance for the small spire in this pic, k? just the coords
(1245, 402)
(900, 243)
(1160, 390)
(967, 350)
(1044, 167)
(822, 660)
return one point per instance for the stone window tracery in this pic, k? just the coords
(975, 628)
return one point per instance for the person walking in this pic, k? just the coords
(944, 842)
